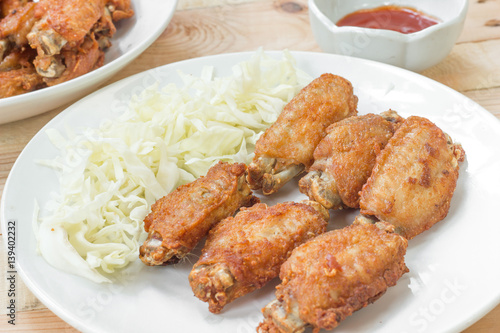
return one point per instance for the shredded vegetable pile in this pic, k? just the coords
(170, 135)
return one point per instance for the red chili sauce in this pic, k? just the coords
(402, 19)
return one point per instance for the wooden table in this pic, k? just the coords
(206, 27)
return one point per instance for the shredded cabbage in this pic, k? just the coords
(170, 135)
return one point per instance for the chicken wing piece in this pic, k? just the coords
(243, 253)
(414, 178)
(15, 27)
(8, 6)
(333, 275)
(77, 62)
(179, 220)
(286, 148)
(119, 9)
(17, 59)
(344, 159)
(19, 81)
(104, 29)
(61, 24)
(63, 21)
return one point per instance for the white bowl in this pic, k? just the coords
(133, 36)
(416, 51)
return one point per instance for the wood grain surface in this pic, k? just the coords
(203, 27)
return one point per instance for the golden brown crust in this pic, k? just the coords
(18, 24)
(287, 146)
(414, 178)
(19, 81)
(8, 6)
(251, 247)
(346, 156)
(267, 325)
(341, 271)
(120, 9)
(72, 19)
(180, 219)
(79, 61)
(303, 121)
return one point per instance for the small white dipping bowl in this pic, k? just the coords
(416, 51)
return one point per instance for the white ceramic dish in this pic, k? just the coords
(132, 37)
(416, 51)
(454, 271)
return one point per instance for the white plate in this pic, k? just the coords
(133, 36)
(454, 270)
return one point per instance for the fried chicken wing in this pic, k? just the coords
(179, 220)
(61, 24)
(19, 81)
(17, 59)
(8, 6)
(15, 27)
(119, 9)
(344, 159)
(414, 178)
(286, 148)
(333, 275)
(79, 61)
(243, 253)
(63, 21)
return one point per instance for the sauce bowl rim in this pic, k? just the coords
(321, 16)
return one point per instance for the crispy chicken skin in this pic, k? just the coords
(17, 59)
(414, 178)
(328, 278)
(79, 61)
(62, 25)
(8, 6)
(119, 9)
(66, 23)
(243, 253)
(15, 27)
(70, 20)
(286, 148)
(344, 159)
(19, 81)
(179, 220)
